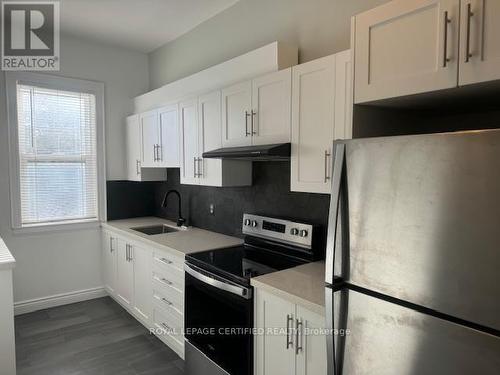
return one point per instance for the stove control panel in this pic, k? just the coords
(286, 231)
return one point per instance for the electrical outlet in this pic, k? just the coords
(212, 209)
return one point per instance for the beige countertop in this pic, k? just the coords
(7, 261)
(303, 285)
(185, 241)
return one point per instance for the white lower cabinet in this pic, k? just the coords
(289, 341)
(149, 283)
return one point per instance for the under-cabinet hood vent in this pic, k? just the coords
(279, 151)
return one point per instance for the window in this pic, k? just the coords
(55, 133)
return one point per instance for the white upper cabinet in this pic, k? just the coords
(149, 133)
(322, 101)
(479, 41)
(236, 115)
(271, 103)
(313, 100)
(135, 172)
(200, 121)
(257, 112)
(406, 47)
(188, 119)
(210, 137)
(168, 153)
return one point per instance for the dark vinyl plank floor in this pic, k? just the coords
(96, 337)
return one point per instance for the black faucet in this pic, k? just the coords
(180, 221)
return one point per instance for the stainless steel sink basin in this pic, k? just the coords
(155, 229)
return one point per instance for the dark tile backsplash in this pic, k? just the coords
(269, 195)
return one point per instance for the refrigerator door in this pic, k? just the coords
(383, 338)
(421, 221)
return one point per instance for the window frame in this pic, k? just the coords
(12, 79)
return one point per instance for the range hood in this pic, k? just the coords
(280, 151)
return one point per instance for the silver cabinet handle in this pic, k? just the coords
(154, 153)
(159, 150)
(165, 260)
(289, 343)
(470, 14)
(166, 301)
(137, 167)
(126, 253)
(201, 170)
(194, 168)
(247, 133)
(130, 253)
(111, 245)
(327, 156)
(298, 333)
(447, 22)
(163, 280)
(164, 325)
(254, 113)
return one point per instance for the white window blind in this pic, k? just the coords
(57, 155)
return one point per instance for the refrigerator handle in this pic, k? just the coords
(336, 308)
(334, 217)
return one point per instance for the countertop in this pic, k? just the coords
(185, 241)
(7, 261)
(303, 285)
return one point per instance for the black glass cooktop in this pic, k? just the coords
(241, 263)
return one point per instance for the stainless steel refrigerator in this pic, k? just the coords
(413, 255)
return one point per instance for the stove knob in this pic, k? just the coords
(247, 222)
(254, 224)
(303, 233)
(294, 231)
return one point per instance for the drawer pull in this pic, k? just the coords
(164, 325)
(165, 260)
(167, 301)
(163, 280)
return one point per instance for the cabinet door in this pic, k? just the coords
(133, 140)
(168, 150)
(406, 47)
(343, 95)
(150, 135)
(480, 37)
(313, 100)
(143, 294)
(124, 273)
(109, 247)
(210, 137)
(311, 350)
(274, 349)
(271, 102)
(188, 119)
(236, 115)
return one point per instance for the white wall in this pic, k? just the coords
(69, 261)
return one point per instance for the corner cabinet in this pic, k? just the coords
(134, 146)
(200, 131)
(257, 112)
(290, 343)
(321, 113)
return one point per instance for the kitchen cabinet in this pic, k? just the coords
(109, 246)
(479, 41)
(257, 112)
(159, 132)
(287, 346)
(406, 47)
(321, 112)
(141, 258)
(124, 272)
(200, 122)
(135, 171)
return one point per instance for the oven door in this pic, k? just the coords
(219, 320)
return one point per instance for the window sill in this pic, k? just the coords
(58, 227)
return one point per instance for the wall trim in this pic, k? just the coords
(27, 306)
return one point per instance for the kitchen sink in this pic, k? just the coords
(155, 229)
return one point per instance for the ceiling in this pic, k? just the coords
(141, 25)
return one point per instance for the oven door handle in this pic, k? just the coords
(212, 280)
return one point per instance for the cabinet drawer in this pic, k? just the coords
(172, 302)
(171, 274)
(169, 327)
(168, 262)
(168, 280)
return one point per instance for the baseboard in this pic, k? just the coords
(27, 306)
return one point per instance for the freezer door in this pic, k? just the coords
(423, 221)
(384, 338)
